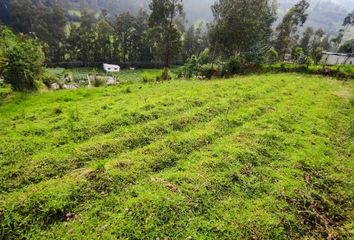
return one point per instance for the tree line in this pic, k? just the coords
(156, 36)
(240, 27)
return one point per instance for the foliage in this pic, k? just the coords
(149, 77)
(190, 68)
(165, 75)
(271, 56)
(347, 47)
(24, 59)
(3, 63)
(339, 71)
(195, 41)
(287, 30)
(232, 66)
(263, 156)
(43, 19)
(298, 55)
(239, 25)
(206, 70)
(164, 35)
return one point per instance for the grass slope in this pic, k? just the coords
(263, 156)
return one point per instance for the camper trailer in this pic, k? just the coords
(111, 67)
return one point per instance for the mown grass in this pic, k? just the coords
(257, 157)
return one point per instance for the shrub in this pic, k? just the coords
(206, 70)
(204, 57)
(271, 56)
(165, 75)
(298, 55)
(190, 68)
(24, 61)
(233, 65)
(309, 61)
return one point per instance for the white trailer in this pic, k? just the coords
(111, 67)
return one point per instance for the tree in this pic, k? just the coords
(241, 27)
(288, 29)
(164, 36)
(347, 47)
(24, 58)
(317, 45)
(23, 14)
(43, 19)
(195, 41)
(347, 23)
(349, 19)
(104, 43)
(306, 40)
(298, 55)
(86, 44)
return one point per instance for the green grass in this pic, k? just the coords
(257, 157)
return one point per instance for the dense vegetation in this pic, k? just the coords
(161, 34)
(264, 156)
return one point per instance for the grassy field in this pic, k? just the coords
(256, 157)
(125, 76)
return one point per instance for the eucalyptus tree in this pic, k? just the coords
(287, 31)
(164, 36)
(242, 27)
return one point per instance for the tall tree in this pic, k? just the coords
(306, 40)
(130, 42)
(348, 22)
(241, 26)
(164, 35)
(49, 26)
(87, 37)
(288, 29)
(317, 45)
(104, 41)
(43, 19)
(195, 41)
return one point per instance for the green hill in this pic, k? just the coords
(257, 157)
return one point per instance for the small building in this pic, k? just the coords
(111, 67)
(331, 58)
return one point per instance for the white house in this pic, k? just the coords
(111, 68)
(331, 58)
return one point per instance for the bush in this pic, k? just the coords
(271, 56)
(165, 75)
(206, 70)
(24, 60)
(204, 57)
(233, 65)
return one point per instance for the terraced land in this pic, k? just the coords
(256, 157)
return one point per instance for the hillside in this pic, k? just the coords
(263, 157)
